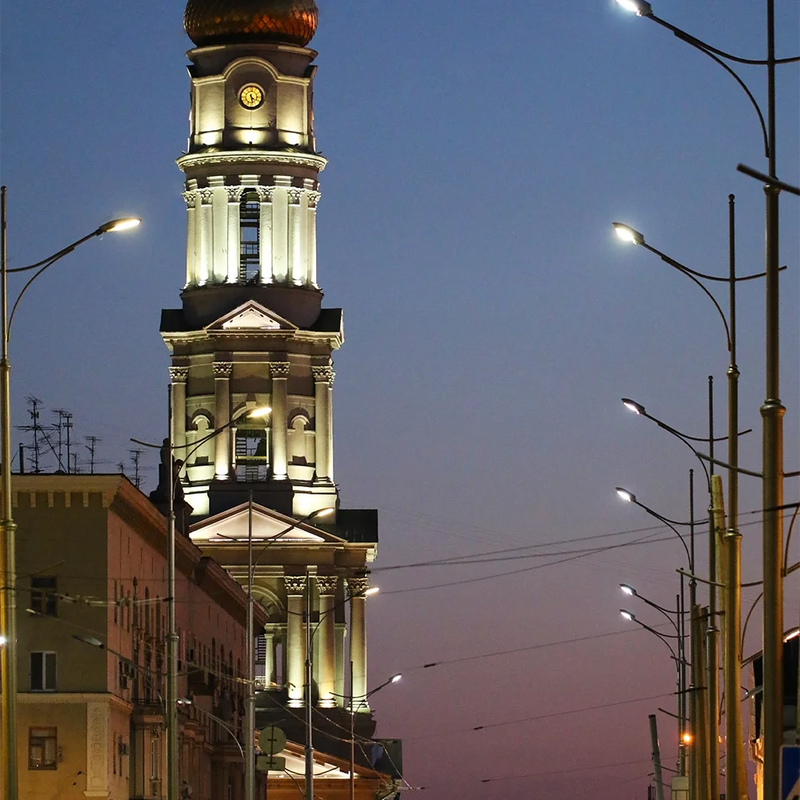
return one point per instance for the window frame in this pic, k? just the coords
(43, 670)
(40, 737)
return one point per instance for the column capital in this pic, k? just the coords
(279, 369)
(178, 374)
(234, 193)
(357, 587)
(206, 195)
(265, 193)
(223, 369)
(327, 584)
(294, 196)
(313, 199)
(191, 198)
(323, 374)
(295, 584)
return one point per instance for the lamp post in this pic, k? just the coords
(696, 729)
(772, 410)
(8, 605)
(735, 781)
(676, 619)
(353, 708)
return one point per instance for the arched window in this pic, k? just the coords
(250, 230)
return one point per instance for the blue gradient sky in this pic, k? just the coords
(478, 154)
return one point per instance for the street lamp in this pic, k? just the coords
(8, 578)
(679, 627)
(772, 410)
(362, 700)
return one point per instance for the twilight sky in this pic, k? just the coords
(478, 154)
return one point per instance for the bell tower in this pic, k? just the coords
(252, 331)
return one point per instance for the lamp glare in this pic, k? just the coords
(396, 678)
(625, 495)
(627, 615)
(120, 225)
(627, 234)
(628, 590)
(639, 7)
(632, 405)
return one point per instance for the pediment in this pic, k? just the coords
(251, 317)
(266, 525)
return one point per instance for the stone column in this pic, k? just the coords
(178, 376)
(234, 233)
(295, 238)
(323, 382)
(222, 416)
(324, 651)
(191, 236)
(269, 657)
(280, 228)
(295, 643)
(279, 370)
(219, 234)
(205, 238)
(265, 234)
(313, 201)
(357, 591)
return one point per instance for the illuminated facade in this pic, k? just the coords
(252, 333)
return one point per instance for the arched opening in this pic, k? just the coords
(250, 227)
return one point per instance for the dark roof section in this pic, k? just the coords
(328, 321)
(358, 525)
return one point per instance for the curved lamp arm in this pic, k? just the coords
(41, 266)
(629, 497)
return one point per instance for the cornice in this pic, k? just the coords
(267, 157)
(333, 339)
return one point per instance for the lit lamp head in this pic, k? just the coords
(2, 640)
(628, 590)
(625, 495)
(686, 738)
(258, 413)
(371, 591)
(115, 225)
(323, 512)
(627, 615)
(632, 405)
(627, 234)
(639, 7)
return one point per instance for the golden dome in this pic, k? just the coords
(233, 21)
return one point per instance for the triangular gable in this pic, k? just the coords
(251, 316)
(267, 525)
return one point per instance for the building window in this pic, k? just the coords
(42, 748)
(250, 222)
(43, 672)
(43, 595)
(252, 454)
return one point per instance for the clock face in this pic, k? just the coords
(251, 96)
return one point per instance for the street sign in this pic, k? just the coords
(790, 772)
(270, 763)
(272, 740)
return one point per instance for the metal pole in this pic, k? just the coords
(735, 777)
(772, 412)
(656, 757)
(352, 739)
(712, 631)
(702, 758)
(681, 682)
(694, 703)
(172, 631)
(250, 705)
(309, 750)
(8, 598)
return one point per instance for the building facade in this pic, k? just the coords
(91, 556)
(252, 333)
